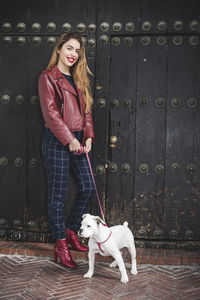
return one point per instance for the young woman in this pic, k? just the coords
(65, 99)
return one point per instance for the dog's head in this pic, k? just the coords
(89, 225)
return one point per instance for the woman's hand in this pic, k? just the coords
(88, 145)
(74, 145)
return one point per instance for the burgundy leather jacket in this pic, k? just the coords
(59, 106)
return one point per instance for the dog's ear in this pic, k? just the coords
(99, 221)
(84, 216)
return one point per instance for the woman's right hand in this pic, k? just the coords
(74, 146)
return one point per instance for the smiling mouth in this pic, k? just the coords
(70, 59)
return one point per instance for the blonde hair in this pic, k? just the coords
(79, 70)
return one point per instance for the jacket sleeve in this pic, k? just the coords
(89, 128)
(51, 112)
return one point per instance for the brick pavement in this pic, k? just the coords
(144, 256)
(37, 278)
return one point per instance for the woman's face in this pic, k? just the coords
(68, 54)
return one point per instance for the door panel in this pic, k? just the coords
(13, 129)
(181, 208)
(121, 139)
(150, 136)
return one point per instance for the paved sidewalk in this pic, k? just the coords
(27, 277)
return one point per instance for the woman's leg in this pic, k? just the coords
(56, 158)
(81, 170)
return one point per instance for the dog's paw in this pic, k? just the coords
(124, 279)
(88, 275)
(134, 271)
(113, 264)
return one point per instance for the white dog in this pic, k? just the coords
(107, 241)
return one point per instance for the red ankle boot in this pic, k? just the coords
(72, 239)
(62, 252)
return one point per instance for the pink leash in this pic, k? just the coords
(99, 244)
(79, 153)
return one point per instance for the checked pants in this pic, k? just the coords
(58, 160)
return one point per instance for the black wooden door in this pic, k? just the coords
(145, 59)
(147, 93)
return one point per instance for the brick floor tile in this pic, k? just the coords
(153, 260)
(168, 252)
(39, 278)
(153, 252)
(26, 296)
(144, 260)
(161, 260)
(185, 261)
(160, 252)
(177, 260)
(169, 259)
(146, 252)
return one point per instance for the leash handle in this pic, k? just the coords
(79, 152)
(88, 159)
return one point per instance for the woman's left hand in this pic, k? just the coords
(88, 145)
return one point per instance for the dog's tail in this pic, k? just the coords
(125, 224)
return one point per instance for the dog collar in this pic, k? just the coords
(99, 244)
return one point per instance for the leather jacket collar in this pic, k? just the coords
(62, 82)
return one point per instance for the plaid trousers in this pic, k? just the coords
(58, 159)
